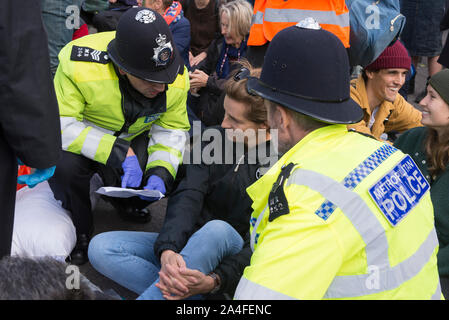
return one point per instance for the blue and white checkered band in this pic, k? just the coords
(163, 52)
(357, 175)
(145, 16)
(253, 221)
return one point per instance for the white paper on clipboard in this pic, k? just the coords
(116, 192)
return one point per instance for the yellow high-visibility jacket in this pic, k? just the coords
(92, 108)
(333, 241)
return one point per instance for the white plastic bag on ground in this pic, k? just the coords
(41, 226)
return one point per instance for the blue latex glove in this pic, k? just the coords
(133, 173)
(154, 183)
(37, 177)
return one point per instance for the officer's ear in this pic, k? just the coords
(276, 113)
(284, 117)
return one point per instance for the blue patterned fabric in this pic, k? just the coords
(357, 175)
(253, 221)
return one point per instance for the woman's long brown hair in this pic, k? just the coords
(437, 150)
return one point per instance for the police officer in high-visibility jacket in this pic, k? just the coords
(122, 100)
(340, 215)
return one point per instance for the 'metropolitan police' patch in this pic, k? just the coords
(399, 191)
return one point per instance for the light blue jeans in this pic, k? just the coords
(128, 257)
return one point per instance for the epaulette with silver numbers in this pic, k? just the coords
(277, 202)
(89, 55)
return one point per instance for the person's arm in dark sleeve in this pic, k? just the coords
(183, 210)
(181, 35)
(29, 114)
(210, 64)
(215, 85)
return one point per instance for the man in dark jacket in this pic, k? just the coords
(29, 118)
(203, 245)
(209, 198)
(211, 193)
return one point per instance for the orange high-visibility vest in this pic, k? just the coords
(271, 16)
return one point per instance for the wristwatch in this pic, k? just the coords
(217, 282)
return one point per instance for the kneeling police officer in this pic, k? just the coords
(122, 101)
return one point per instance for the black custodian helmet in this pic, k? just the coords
(144, 47)
(306, 69)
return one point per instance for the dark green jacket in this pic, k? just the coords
(412, 142)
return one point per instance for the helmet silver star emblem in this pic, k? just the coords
(163, 52)
(145, 16)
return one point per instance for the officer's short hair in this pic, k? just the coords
(305, 122)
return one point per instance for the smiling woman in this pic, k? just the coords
(429, 148)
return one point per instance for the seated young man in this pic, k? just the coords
(376, 91)
(203, 245)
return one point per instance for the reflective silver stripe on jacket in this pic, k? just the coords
(257, 18)
(164, 156)
(248, 290)
(254, 233)
(71, 129)
(175, 139)
(372, 233)
(437, 294)
(296, 15)
(91, 143)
